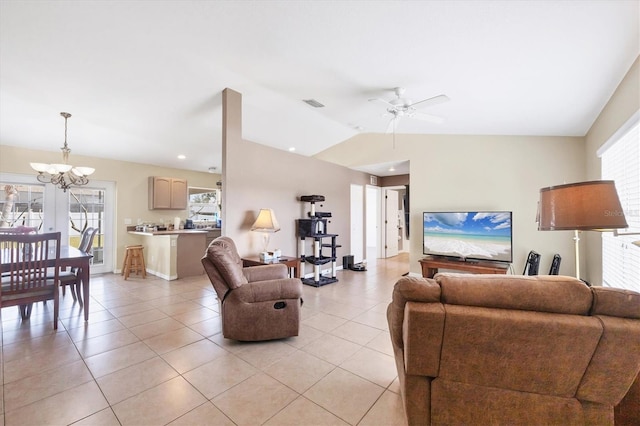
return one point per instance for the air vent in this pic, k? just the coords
(313, 103)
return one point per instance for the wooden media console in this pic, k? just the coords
(430, 266)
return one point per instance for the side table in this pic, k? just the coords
(292, 263)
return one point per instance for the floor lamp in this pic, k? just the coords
(267, 224)
(582, 206)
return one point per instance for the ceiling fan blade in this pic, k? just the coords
(393, 125)
(430, 101)
(387, 103)
(427, 117)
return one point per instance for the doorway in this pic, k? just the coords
(357, 231)
(372, 224)
(391, 222)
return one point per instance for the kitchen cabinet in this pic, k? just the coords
(167, 193)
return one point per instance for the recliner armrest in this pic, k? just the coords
(265, 272)
(262, 291)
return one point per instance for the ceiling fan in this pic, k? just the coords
(404, 107)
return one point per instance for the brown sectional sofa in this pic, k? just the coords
(506, 349)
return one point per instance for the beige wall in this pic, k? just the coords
(449, 172)
(504, 172)
(131, 180)
(270, 178)
(621, 106)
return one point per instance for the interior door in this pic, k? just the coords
(357, 225)
(373, 236)
(391, 223)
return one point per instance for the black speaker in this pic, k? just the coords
(347, 261)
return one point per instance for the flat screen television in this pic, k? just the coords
(479, 235)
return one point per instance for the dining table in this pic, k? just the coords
(72, 257)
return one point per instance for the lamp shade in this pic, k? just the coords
(590, 205)
(266, 221)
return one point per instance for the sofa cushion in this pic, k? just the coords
(540, 293)
(223, 254)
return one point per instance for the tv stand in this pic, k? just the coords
(430, 266)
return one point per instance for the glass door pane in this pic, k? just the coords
(87, 209)
(21, 205)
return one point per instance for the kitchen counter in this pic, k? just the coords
(175, 254)
(172, 232)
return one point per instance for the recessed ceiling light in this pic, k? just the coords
(391, 169)
(181, 157)
(293, 148)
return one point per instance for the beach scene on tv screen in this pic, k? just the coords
(474, 235)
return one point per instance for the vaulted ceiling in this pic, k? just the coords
(143, 79)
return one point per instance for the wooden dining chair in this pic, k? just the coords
(26, 261)
(71, 278)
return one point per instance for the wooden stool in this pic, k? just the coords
(134, 261)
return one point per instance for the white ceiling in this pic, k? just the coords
(143, 79)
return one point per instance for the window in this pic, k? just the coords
(204, 205)
(621, 163)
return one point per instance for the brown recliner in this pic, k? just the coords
(516, 350)
(257, 303)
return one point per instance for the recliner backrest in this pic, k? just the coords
(224, 266)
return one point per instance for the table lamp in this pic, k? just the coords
(581, 206)
(267, 224)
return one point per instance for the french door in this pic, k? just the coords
(91, 206)
(25, 201)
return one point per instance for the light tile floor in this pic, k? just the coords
(152, 354)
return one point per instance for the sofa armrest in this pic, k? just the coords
(414, 289)
(265, 272)
(615, 302)
(422, 335)
(263, 291)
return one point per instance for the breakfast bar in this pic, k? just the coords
(174, 254)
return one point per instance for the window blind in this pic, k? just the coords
(621, 163)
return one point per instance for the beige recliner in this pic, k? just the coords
(257, 303)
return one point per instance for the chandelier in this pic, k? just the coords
(63, 175)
